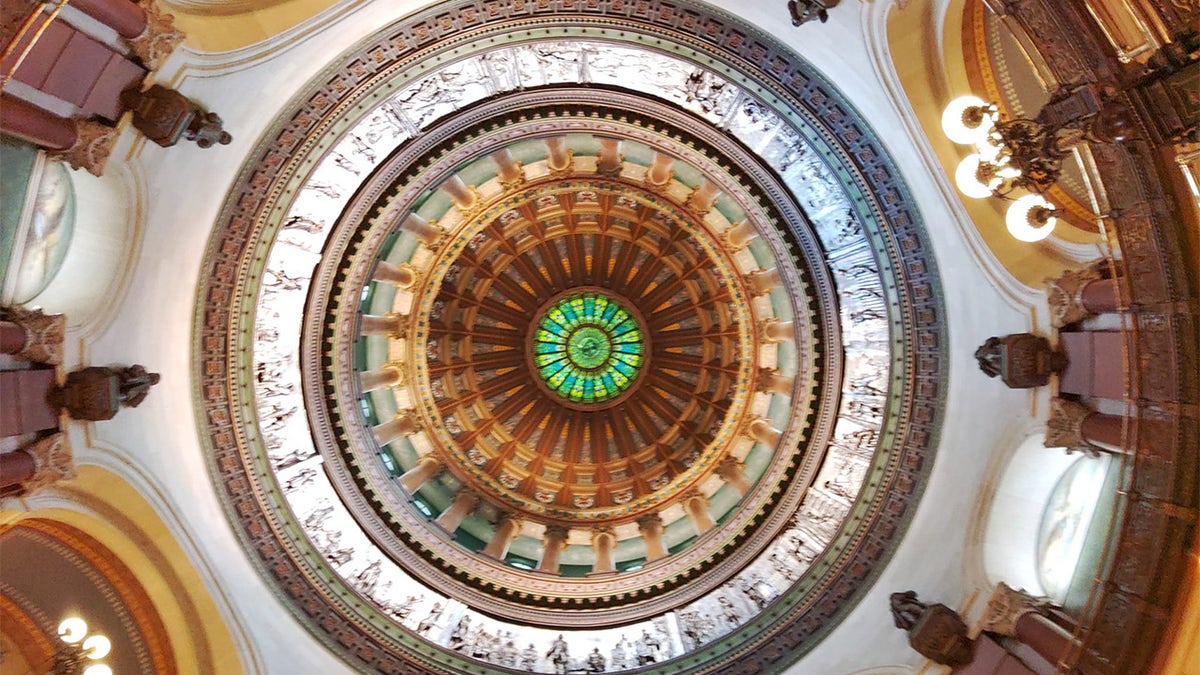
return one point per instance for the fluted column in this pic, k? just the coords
(701, 199)
(739, 235)
(774, 330)
(733, 472)
(771, 382)
(603, 543)
(426, 232)
(661, 170)
(695, 504)
(507, 529)
(609, 160)
(760, 430)
(763, 281)
(651, 529)
(426, 468)
(405, 423)
(464, 196)
(508, 169)
(558, 156)
(553, 543)
(463, 505)
(402, 275)
(16, 467)
(388, 324)
(370, 380)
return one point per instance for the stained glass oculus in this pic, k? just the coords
(588, 348)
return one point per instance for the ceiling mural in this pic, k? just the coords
(570, 345)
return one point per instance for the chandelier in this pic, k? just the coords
(1012, 157)
(79, 653)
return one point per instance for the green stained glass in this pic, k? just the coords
(587, 348)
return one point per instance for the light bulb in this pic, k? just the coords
(97, 647)
(72, 629)
(966, 176)
(958, 122)
(1030, 218)
(98, 669)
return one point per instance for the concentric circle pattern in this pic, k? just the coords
(588, 348)
(388, 261)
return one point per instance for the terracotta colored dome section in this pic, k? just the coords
(580, 386)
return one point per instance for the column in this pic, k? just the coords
(370, 380)
(1051, 641)
(405, 423)
(553, 543)
(16, 467)
(1072, 424)
(402, 275)
(739, 235)
(661, 170)
(463, 505)
(1100, 296)
(558, 156)
(508, 169)
(761, 431)
(771, 382)
(701, 200)
(507, 529)
(603, 543)
(733, 472)
(122, 16)
(609, 160)
(389, 324)
(426, 232)
(465, 197)
(695, 504)
(762, 281)
(31, 123)
(774, 330)
(651, 529)
(12, 338)
(422, 472)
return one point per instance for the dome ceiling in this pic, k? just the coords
(533, 353)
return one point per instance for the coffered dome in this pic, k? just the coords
(573, 358)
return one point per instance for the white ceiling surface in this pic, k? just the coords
(157, 442)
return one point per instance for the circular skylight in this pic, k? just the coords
(588, 348)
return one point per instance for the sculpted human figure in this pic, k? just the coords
(431, 620)
(134, 384)
(558, 654)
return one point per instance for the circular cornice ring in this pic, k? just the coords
(234, 265)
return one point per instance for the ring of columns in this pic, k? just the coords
(294, 447)
(599, 513)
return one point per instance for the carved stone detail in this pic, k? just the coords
(159, 39)
(1065, 295)
(43, 334)
(93, 144)
(1064, 427)
(53, 459)
(1006, 605)
(934, 631)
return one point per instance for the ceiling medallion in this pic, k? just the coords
(588, 348)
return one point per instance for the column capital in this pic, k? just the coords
(1006, 605)
(1065, 294)
(761, 282)
(773, 330)
(557, 533)
(159, 39)
(649, 521)
(760, 430)
(43, 334)
(1064, 426)
(53, 461)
